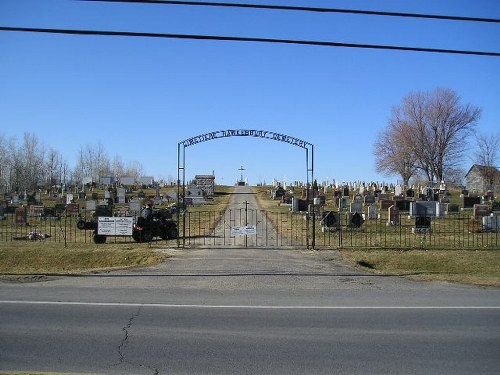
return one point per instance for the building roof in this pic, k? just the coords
(482, 169)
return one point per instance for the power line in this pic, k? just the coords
(246, 39)
(304, 9)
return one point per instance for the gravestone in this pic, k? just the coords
(382, 197)
(469, 202)
(346, 192)
(385, 204)
(491, 223)
(20, 216)
(424, 208)
(330, 221)
(369, 199)
(90, 205)
(49, 213)
(372, 211)
(121, 195)
(355, 220)
(82, 196)
(357, 206)
(480, 210)
(278, 193)
(344, 203)
(452, 208)
(428, 194)
(36, 210)
(104, 210)
(398, 190)
(495, 207)
(95, 196)
(69, 198)
(135, 206)
(122, 211)
(72, 209)
(443, 198)
(410, 193)
(403, 205)
(2, 212)
(422, 224)
(59, 208)
(393, 216)
(15, 200)
(38, 197)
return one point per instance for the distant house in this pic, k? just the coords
(481, 179)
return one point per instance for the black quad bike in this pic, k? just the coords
(158, 225)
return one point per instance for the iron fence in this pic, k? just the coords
(258, 228)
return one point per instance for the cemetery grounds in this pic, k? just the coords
(450, 252)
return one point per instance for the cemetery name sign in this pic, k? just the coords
(245, 133)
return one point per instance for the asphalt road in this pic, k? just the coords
(248, 311)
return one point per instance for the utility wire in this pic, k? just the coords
(245, 39)
(304, 9)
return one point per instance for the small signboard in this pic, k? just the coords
(115, 226)
(243, 231)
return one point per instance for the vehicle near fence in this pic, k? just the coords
(160, 224)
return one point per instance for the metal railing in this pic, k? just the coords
(281, 229)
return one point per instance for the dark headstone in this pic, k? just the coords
(330, 220)
(403, 205)
(453, 208)
(356, 220)
(469, 202)
(422, 224)
(369, 199)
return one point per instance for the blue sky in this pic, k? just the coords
(140, 97)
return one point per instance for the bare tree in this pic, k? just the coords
(53, 167)
(436, 126)
(93, 161)
(118, 167)
(134, 169)
(391, 157)
(32, 155)
(487, 156)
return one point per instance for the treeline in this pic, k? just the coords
(28, 164)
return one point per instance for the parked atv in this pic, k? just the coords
(159, 224)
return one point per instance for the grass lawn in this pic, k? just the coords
(481, 267)
(49, 258)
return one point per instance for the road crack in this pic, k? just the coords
(125, 340)
(126, 330)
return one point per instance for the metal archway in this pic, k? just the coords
(181, 165)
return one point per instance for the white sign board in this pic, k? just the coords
(242, 231)
(115, 226)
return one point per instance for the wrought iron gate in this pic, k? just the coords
(242, 228)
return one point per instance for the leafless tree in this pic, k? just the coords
(93, 161)
(433, 128)
(487, 156)
(391, 157)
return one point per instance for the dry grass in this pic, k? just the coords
(50, 257)
(481, 267)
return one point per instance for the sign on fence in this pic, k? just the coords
(242, 231)
(115, 226)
